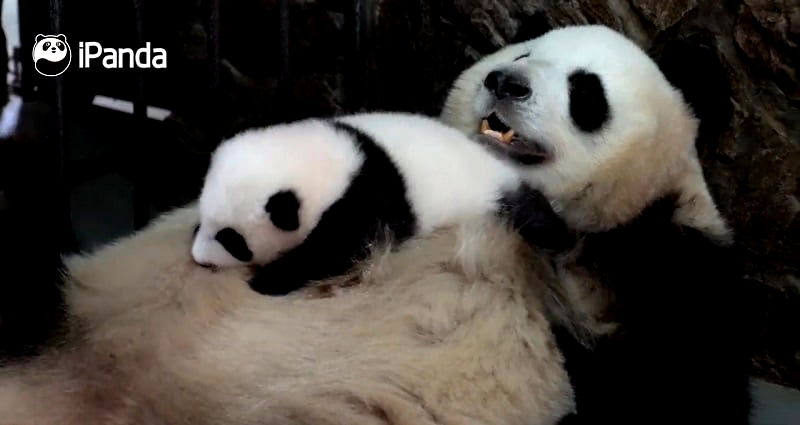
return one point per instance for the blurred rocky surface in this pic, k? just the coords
(735, 60)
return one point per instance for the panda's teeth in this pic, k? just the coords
(484, 126)
(487, 131)
(500, 137)
(507, 136)
(494, 135)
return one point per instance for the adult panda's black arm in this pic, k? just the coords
(680, 354)
(529, 212)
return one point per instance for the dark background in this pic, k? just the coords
(75, 175)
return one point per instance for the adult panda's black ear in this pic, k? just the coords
(533, 26)
(283, 209)
(39, 37)
(693, 66)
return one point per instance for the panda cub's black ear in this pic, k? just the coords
(283, 209)
(62, 37)
(39, 37)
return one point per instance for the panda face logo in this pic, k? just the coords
(51, 54)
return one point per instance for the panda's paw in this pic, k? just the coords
(532, 216)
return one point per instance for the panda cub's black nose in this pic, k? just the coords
(504, 84)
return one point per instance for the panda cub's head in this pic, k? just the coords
(591, 121)
(267, 188)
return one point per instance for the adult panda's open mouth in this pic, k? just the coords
(500, 137)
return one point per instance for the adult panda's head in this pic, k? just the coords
(592, 122)
(267, 188)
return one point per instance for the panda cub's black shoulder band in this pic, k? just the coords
(380, 187)
(375, 201)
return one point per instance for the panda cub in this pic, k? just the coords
(306, 200)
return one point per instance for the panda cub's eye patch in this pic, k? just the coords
(588, 106)
(283, 208)
(235, 244)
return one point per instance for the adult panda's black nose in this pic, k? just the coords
(505, 84)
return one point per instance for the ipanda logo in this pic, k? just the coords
(52, 55)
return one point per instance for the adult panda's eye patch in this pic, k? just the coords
(283, 208)
(234, 243)
(588, 105)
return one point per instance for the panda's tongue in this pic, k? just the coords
(504, 135)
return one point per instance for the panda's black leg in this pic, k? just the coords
(680, 354)
(531, 214)
(330, 250)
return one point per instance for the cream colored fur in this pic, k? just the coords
(447, 330)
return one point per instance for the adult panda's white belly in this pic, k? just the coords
(449, 330)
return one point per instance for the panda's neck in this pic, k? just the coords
(601, 202)
(597, 207)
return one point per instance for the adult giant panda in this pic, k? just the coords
(450, 328)
(648, 300)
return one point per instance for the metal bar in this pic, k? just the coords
(62, 144)
(356, 76)
(141, 201)
(139, 105)
(283, 10)
(66, 241)
(214, 57)
(284, 77)
(358, 17)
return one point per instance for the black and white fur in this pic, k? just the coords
(306, 200)
(647, 307)
(449, 328)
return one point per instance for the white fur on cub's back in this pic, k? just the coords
(447, 176)
(449, 330)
